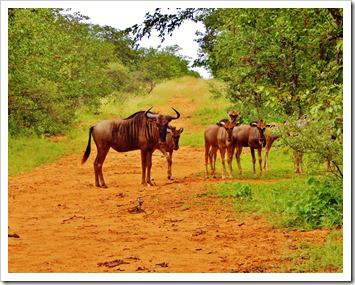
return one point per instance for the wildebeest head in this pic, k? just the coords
(233, 114)
(260, 125)
(161, 121)
(176, 136)
(228, 126)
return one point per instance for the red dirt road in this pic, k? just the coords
(65, 224)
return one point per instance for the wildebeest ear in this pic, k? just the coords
(253, 124)
(269, 126)
(181, 130)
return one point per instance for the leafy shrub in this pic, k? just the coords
(320, 205)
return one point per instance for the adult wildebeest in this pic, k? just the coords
(218, 136)
(249, 136)
(142, 130)
(172, 143)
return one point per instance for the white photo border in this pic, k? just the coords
(345, 276)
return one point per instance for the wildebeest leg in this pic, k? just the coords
(149, 166)
(260, 161)
(99, 161)
(230, 152)
(207, 150)
(213, 156)
(170, 162)
(144, 165)
(252, 151)
(266, 156)
(214, 160)
(222, 151)
(237, 156)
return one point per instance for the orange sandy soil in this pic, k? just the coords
(66, 224)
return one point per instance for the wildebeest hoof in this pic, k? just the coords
(104, 186)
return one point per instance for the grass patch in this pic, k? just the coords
(298, 203)
(191, 139)
(319, 258)
(280, 165)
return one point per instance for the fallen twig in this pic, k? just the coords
(112, 263)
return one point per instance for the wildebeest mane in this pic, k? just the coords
(131, 127)
(139, 113)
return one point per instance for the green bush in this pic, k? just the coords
(320, 205)
(295, 203)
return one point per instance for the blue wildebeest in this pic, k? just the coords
(172, 143)
(142, 130)
(218, 136)
(252, 136)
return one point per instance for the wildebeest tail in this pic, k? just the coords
(88, 148)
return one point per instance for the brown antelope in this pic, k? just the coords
(233, 116)
(218, 136)
(142, 130)
(172, 143)
(249, 136)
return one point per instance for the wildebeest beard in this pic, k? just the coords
(162, 132)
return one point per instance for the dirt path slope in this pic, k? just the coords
(65, 224)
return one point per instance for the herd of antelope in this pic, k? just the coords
(148, 131)
(228, 135)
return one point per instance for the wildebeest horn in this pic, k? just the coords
(177, 114)
(149, 115)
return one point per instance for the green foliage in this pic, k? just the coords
(280, 64)
(320, 139)
(320, 205)
(55, 66)
(58, 64)
(292, 204)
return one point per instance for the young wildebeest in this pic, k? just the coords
(142, 130)
(172, 143)
(218, 136)
(233, 116)
(249, 136)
